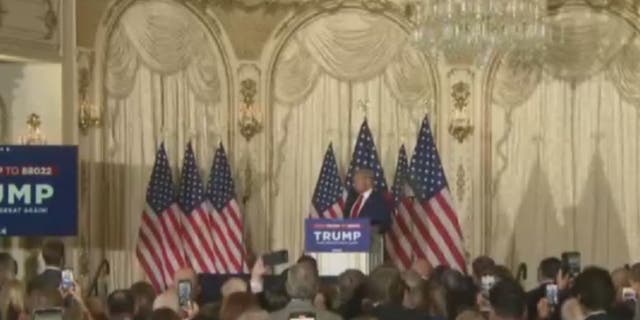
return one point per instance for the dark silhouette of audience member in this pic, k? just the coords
(547, 272)
(164, 314)
(634, 279)
(351, 290)
(53, 256)
(121, 305)
(385, 292)
(595, 292)
(143, 295)
(508, 301)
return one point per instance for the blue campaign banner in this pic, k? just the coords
(331, 235)
(38, 190)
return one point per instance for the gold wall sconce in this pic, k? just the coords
(88, 117)
(34, 135)
(460, 127)
(250, 123)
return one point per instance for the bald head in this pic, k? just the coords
(423, 268)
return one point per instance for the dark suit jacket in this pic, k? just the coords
(49, 279)
(395, 312)
(533, 297)
(375, 208)
(601, 316)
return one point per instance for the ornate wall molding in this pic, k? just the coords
(210, 22)
(30, 29)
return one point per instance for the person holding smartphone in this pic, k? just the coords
(547, 272)
(53, 256)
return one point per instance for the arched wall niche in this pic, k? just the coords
(577, 133)
(276, 132)
(223, 45)
(114, 235)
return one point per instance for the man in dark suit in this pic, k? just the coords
(53, 256)
(547, 272)
(366, 202)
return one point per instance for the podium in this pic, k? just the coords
(339, 245)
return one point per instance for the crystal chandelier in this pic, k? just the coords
(470, 30)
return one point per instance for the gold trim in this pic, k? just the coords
(249, 122)
(460, 126)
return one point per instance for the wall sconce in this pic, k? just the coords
(250, 123)
(34, 136)
(460, 126)
(88, 116)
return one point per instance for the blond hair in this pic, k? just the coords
(12, 295)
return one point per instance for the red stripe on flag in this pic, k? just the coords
(176, 248)
(218, 229)
(207, 252)
(147, 269)
(424, 231)
(402, 224)
(398, 250)
(237, 234)
(434, 218)
(448, 209)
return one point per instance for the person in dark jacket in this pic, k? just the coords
(53, 256)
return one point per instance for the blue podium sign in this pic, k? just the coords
(38, 190)
(331, 235)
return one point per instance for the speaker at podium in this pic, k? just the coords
(339, 245)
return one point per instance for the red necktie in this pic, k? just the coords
(355, 211)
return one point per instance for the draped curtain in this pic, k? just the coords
(164, 82)
(331, 74)
(566, 168)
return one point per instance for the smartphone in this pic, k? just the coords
(571, 263)
(48, 314)
(302, 316)
(67, 281)
(628, 294)
(184, 293)
(276, 258)
(552, 294)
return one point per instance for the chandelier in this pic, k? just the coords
(471, 30)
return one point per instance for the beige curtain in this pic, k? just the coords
(566, 175)
(164, 82)
(332, 74)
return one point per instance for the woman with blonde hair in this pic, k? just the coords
(12, 301)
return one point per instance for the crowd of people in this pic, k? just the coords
(423, 292)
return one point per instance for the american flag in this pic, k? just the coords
(400, 242)
(196, 233)
(365, 156)
(226, 219)
(159, 247)
(435, 218)
(328, 198)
